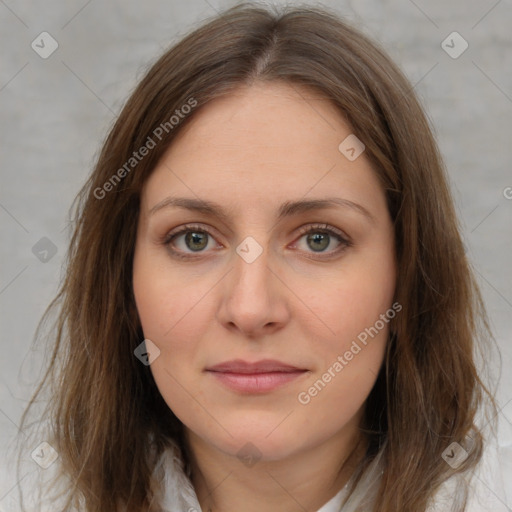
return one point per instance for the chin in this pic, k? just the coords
(257, 438)
(249, 449)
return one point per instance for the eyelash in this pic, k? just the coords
(304, 230)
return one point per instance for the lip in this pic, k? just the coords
(258, 377)
(262, 366)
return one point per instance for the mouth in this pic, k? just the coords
(255, 378)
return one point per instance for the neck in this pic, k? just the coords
(305, 480)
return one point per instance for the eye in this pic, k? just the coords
(195, 239)
(318, 237)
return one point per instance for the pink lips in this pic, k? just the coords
(259, 377)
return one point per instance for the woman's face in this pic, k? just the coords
(248, 283)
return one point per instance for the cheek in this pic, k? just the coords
(174, 311)
(354, 300)
(356, 312)
(159, 311)
(348, 362)
(166, 298)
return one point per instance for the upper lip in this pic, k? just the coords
(263, 366)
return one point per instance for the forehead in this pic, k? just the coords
(263, 142)
(255, 116)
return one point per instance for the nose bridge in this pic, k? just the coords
(251, 262)
(251, 299)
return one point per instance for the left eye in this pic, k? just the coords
(196, 238)
(318, 241)
(319, 238)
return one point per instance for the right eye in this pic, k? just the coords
(194, 239)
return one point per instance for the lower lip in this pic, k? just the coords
(256, 382)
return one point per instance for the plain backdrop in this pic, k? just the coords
(56, 111)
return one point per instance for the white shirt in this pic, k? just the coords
(334, 504)
(487, 490)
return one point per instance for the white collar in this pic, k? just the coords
(174, 491)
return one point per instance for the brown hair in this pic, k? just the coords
(106, 409)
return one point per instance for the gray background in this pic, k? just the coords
(56, 112)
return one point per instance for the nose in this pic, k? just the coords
(254, 298)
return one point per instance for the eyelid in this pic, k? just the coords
(304, 230)
(188, 227)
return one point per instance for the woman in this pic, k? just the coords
(267, 303)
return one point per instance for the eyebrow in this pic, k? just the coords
(287, 209)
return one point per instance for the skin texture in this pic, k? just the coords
(250, 152)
